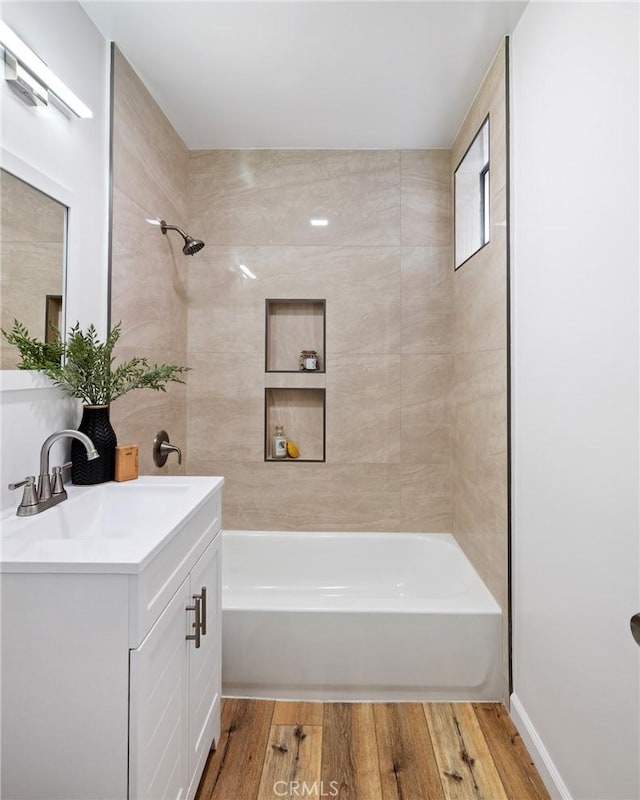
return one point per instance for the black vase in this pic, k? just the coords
(95, 423)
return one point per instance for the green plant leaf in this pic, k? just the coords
(83, 366)
(34, 354)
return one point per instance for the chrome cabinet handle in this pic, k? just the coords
(197, 625)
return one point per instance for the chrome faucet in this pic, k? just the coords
(50, 490)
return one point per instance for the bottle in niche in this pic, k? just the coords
(279, 443)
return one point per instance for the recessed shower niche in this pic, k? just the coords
(301, 412)
(294, 326)
(294, 376)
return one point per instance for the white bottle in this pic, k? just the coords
(279, 443)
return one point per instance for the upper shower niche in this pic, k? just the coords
(294, 326)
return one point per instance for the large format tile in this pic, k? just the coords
(270, 196)
(425, 498)
(363, 301)
(389, 334)
(361, 286)
(226, 306)
(138, 416)
(427, 300)
(480, 464)
(480, 420)
(363, 409)
(426, 415)
(151, 162)
(149, 275)
(297, 496)
(226, 407)
(426, 197)
(480, 527)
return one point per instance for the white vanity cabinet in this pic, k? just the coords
(175, 688)
(103, 695)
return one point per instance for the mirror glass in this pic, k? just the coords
(471, 187)
(32, 254)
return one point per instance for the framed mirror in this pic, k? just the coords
(33, 246)
(471, 198)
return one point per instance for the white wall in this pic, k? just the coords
(575, 389)
(72, 154)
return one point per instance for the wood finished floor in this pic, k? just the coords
(363, 751)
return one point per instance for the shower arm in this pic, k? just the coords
(164, 228)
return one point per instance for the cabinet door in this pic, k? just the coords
(205, 662)
(158, 727)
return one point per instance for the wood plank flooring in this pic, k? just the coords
(364, 751)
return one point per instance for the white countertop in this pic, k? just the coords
(112, 527)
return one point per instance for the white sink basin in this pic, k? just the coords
(109, 527)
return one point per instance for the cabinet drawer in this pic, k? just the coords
(153, 588)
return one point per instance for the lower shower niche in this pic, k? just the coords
(301, 413)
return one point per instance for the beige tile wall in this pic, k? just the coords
(384, 266)
(149, 271)
(479, 346)
(416, 354)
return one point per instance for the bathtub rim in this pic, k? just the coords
(476, 600)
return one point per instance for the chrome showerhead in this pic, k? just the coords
(191, 245)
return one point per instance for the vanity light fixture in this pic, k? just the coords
(319, 223)
(23, 83)
(33, 78)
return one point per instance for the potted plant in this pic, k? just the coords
(84, 367)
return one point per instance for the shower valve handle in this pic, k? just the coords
(162, 448)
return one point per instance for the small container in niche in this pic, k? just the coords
(308, 361)
(279, 443)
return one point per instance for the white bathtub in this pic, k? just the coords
(362, 616)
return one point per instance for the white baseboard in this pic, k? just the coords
(541, 758)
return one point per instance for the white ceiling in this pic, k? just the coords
(310, 74)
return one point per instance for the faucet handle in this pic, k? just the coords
(30, 480)
(29, 496)
(57, 486)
